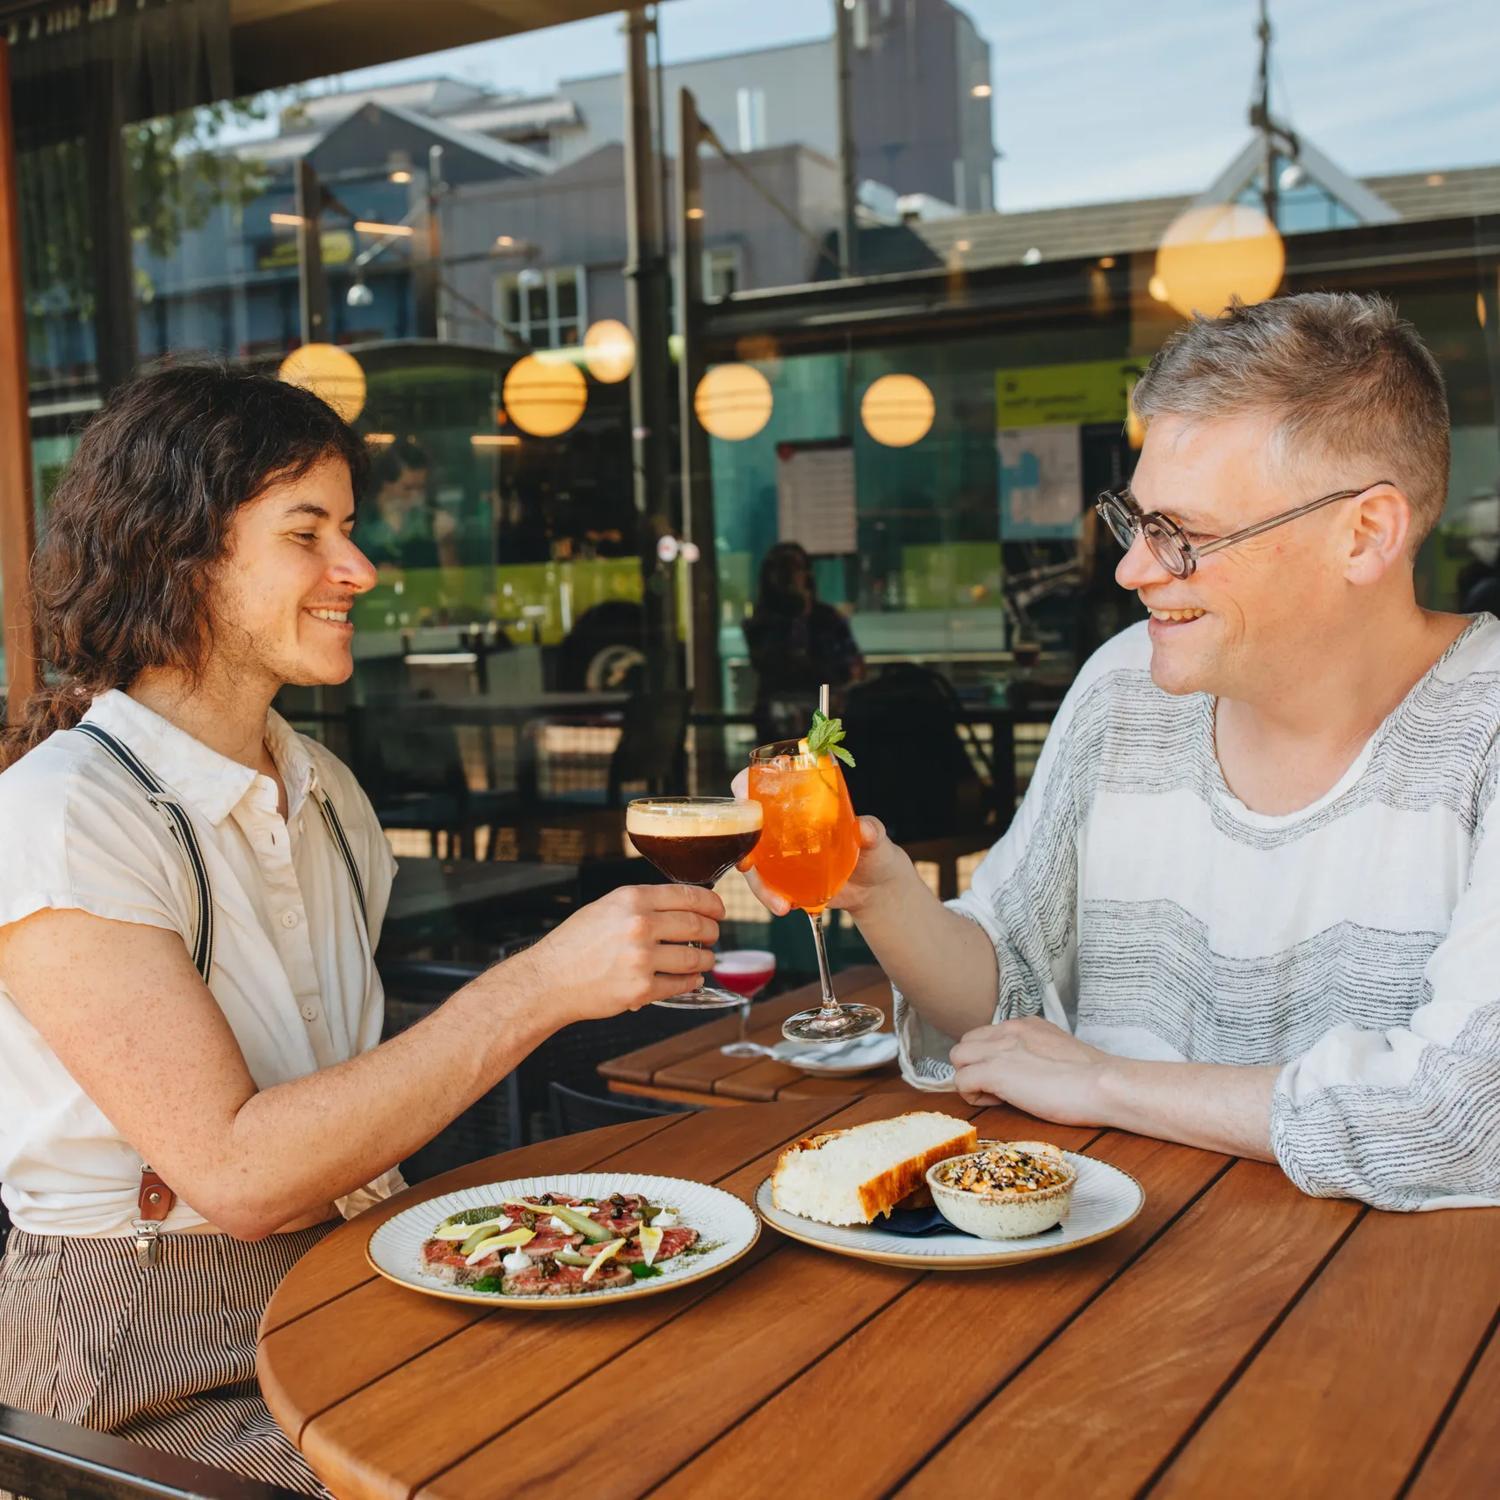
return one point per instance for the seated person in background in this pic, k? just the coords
(399, 524)
(1251, 901)
(796, 642)
(197, 558)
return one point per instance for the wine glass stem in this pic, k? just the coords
(744, 1035)
(831, 1008)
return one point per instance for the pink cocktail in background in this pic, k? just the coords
(745, 971)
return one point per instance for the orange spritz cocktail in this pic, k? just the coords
(809, 845)
(809, 841)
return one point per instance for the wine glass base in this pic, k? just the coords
(851, 1021)
(710, 997)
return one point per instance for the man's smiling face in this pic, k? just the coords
(281, 597)
(1251, 613)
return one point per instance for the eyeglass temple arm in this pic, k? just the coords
(1281, 520)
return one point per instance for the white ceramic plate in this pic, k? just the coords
(1105, 1200)
(724, 1223)
(839, 1059)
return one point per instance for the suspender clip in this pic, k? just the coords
(147, 1242)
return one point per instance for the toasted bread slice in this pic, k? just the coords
(852, 1176)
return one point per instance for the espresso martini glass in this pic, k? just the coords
(693, 841)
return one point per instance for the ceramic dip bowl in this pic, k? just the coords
(1004, 1190)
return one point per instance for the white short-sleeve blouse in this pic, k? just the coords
(293, 969)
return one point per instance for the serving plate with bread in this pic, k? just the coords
(996, 1203)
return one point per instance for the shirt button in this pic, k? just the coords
(309, 1012)
(289, 919)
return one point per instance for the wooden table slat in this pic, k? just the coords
(1122, 1384)
(1406, 1292)
(710, 1071)
(388, 1429)
(923, 1363)
(642, 1065)
(1463, 1462)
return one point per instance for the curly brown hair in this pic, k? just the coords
(141, 518)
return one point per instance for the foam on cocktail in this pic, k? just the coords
(686, 820)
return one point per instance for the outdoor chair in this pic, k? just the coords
(43, 1459)
(492, 1124)
(914, 772)
(649, 759)
(573, 1111)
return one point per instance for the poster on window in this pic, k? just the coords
(815, 503)
(1041, 482)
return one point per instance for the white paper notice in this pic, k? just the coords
(815, 498)
(1041, 480)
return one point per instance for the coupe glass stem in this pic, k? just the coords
(831, 1010)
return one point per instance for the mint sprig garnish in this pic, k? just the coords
(826, 736)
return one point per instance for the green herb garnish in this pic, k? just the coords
(488, 1284)
(640, 1270)
(826, 737)
(474, 1216)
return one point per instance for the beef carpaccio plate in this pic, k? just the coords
(555, 1244)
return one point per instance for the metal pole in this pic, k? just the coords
(17, 516)
(848, 229)
(435, 239)
(704, 673)
(312, 284)
(1260, 114)
(646, 302)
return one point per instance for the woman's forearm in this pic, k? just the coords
(361, 1117)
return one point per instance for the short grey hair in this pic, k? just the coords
(1344, 376)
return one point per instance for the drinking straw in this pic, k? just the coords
(823, 699)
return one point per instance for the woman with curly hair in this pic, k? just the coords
(189, 905)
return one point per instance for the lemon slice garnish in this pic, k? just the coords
(611, 1250)
(499, 1242)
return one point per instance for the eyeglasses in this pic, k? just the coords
(1169, 543)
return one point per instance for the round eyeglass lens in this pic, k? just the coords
(1119, 520)
(1167, 548)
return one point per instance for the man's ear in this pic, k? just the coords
(1380, 530)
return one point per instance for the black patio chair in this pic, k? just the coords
(492, 1124)
(573, 1111)
(914, 772)
(43, 1459)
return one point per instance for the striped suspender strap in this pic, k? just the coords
(182, 831)
(156, 1198)
(341, 843)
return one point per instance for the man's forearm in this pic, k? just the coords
(941, 962)
(1211, 1105)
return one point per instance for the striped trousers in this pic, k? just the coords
(162, 1355)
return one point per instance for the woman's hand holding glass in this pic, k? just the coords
(628, 949)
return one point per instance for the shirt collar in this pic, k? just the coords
(210, 783)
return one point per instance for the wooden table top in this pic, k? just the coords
(1236, 1339)
(689, 1068)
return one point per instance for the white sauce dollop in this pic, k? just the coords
(666, 1219)
(516, 1262)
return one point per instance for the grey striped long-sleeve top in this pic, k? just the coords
(1136, 901)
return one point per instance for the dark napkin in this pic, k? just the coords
(919, 1221)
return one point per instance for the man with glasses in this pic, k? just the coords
(1251, 901)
